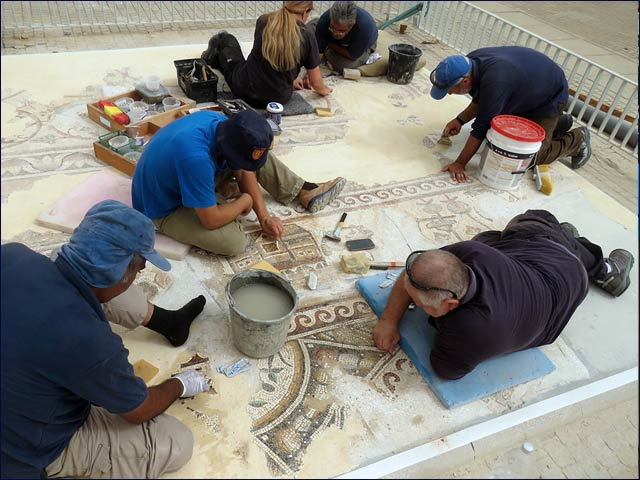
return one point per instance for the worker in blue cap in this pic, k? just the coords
(510, 81)
(71, 404)
(186, 177)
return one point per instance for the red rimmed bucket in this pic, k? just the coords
(512, 145)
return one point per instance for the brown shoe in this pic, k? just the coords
(318, 198)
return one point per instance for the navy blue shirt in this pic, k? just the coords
(256, 81)
(59, 356)
(514, 81)
(178, 166)
(521, 295)
(360, 38)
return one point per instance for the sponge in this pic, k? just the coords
(323, 112)
(542, 175)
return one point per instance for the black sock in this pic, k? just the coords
(174, 324)
(309, 186)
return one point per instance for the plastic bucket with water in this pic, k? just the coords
(512, 145)
(254, 335)
(403, 60)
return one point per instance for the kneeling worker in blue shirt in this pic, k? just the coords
(510, 81)
(71, 404)
(188, 161)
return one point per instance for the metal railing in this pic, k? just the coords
(41, 19)
(599, 98)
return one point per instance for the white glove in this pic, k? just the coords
(193, 382)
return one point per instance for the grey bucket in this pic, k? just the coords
(253, 337)
(403, 60)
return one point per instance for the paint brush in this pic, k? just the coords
(445, 141)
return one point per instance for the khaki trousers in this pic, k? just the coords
(339, 63)
(128, 309)
(107, 446)
(184, 225)
(565, 145)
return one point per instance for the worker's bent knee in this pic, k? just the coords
(228, 240)
(174, 444)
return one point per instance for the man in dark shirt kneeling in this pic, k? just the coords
(71, 404)
(510, 80)
(501, 292)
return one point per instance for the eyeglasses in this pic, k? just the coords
(437, 84)
(339, 32)
(407, 268)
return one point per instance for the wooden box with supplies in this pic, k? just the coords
(122, 150)
(124, 101)
(197, 80)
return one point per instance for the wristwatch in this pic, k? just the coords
(460, 121)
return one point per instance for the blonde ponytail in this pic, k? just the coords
(281, 37)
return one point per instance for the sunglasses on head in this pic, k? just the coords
(438, 84)
(407, 268)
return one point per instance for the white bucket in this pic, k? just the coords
(512, 144)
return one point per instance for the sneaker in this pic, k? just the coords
(316, 199)
(565, 122)
(584, 153)
(617, 280)
(570, 229)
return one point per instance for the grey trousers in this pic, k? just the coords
(107, 446)
(184, 225)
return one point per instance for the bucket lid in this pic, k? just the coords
(518, 128)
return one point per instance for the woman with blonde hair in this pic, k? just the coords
(282, 44)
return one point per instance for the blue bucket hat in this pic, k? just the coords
(237, 138)
(447, 74)
(102, 246)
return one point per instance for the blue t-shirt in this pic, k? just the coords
(59, 356)
(361, 37)
(178, 166)
(514, 81)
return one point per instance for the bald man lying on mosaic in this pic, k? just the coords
(501, 292)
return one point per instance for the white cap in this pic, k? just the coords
(275, 107)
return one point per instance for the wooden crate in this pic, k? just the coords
(97, 115)
(122, 163)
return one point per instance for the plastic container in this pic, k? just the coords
(192, 82)
(151, 96)
(119, 141)
(170, 103)
(512, 144)
(124, 103)
(403, 60)
(252, 336)
(274, 112)
(152, 82)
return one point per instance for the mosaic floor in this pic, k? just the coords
(329, 401)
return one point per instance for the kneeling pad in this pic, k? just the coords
(380, 66)
(416, 339)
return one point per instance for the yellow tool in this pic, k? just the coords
(323, 112)
(542, 176)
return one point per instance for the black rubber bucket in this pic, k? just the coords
(403, 60)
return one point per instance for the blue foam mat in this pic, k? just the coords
(416, 339)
